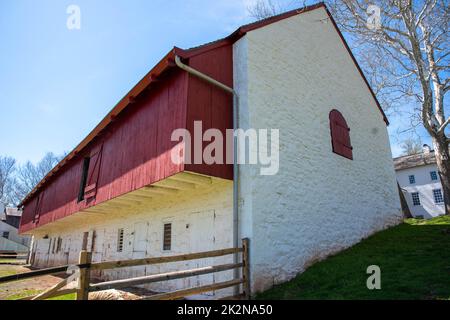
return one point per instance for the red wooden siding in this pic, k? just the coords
(340, 135)
(210, 104)
(135, 149)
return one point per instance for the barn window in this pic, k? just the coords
(58, 245)
(412, 179)
(438, 197)
(120, 240)
(433, 175)
(167, 238)
(84, 176)
(415, 198)
(340, 135)
(6, 234)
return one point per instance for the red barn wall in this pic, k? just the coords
(211, 105)
(136, 147)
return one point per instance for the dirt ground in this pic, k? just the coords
(29, 287)
(23, 288)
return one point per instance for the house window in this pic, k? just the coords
(416, 198)
(84, 176)
(340, 135)
(433, 175)
(6, 234)
(120, 240)
(167, 238)
(412, 179)
(438, 198)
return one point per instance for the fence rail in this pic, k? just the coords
(160, 260)
(86, 266)
(14, 255)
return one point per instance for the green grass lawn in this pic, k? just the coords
(12, 261)
(29, 293)
(414, 258)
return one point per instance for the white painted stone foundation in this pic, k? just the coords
(201, 221)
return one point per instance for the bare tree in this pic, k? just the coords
(29, 175)
(403, 47)
(7, 169)
(264, 9)
(411, 146)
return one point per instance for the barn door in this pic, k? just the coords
(140, 245)
(94, 170)
(140, 237)
(202, 238)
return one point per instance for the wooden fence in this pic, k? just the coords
(86, 266)
(14, 255)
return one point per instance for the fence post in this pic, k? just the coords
(246, 268)
(83, 282)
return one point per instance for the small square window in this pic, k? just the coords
(412, 179)
(167, 238)
(416, 198)
(438, 197)
(120, 240)
(6, 234)
(433, 175)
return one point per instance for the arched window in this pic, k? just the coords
(340, 135)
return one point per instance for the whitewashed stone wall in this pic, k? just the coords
(201, 221)
(290, 75)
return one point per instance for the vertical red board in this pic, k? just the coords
(210, 104)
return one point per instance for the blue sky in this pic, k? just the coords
(56, 84)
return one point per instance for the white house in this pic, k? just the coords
(335, 184)
(10, 239)
(420, 183)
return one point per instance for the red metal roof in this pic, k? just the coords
(168, 62)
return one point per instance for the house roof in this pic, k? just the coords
(168, 62)
(415, 160)
(14, 212)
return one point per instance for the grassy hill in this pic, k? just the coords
(414, 258)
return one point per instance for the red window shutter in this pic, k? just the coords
(94, 170)
(37, 209)
(340, 135)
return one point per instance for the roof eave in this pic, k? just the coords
(168, 62)
(164, 64)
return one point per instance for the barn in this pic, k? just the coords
(120, 192)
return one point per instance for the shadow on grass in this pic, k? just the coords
(414, 258)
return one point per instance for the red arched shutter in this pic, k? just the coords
(340, 135)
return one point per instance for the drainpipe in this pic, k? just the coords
(226, 88)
